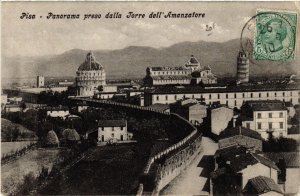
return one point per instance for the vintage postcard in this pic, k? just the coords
(150, 98)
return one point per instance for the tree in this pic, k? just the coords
(52, 139)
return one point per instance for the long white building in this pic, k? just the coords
(232, 96)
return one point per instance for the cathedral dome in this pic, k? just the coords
(90, 63)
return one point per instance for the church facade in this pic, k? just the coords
(89, 76)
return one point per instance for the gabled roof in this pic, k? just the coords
(240, 131)
(112, 123)
(263, 184)
(292, 159)
(238, 158)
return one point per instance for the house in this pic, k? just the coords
(240, 136)
(12, 108)
(220, 116)
(289, 164)
(266, 117)
(262, 186)
(60, 111)
(190, 109)
(241, 164)
(113, 129)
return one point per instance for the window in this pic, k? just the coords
(267, 94)
(226, 96)
(248, 125)
(227, 103)
(283, 94)
(166, 97)
(175, 97)
(234, 95)
(234, 102)
(193, 96)
(270, 125)
(281, 125)
(291, 93)
(270, 115)
(112, 135)
(218, 96)
(121, 128)
(157, 98)
(259, 125)
(258, 115)
(209, 96)
(275, 94)
(102, 138)
(112, 128)
(259, 95)
(251, 95)
(281, 115)
(243, 95)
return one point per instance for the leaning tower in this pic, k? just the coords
(242, 68)
(89, 76)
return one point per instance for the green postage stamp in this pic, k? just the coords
(275, 35)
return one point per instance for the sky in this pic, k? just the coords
(41, 36)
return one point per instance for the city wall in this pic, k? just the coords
(164, 166)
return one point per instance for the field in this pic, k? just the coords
(107, 170)
(11, 147)
(12, 173)
(5, 124)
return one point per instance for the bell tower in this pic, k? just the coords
(242, 68)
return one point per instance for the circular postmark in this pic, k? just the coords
(269, 36)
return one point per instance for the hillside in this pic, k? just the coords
(121, 63)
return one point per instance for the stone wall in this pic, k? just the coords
(164, 166)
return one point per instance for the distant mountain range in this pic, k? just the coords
(132, 61)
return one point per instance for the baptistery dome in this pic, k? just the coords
(89, 76)
(90, 63)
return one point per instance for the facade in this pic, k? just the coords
(240, 136)
(40, 81)
(269, 116)
(190, 109)
(180, 75)
(232, 96)
(242, 68)
(113, 130)
(57, 112)
(90, 76)
(220, 118)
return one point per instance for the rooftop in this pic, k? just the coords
(167, 68)
(222, 89)
(112, 123)
(239, 158)
(159, 107)
(292, 159)
(263, 184)
(266, 105)
(240, 131)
